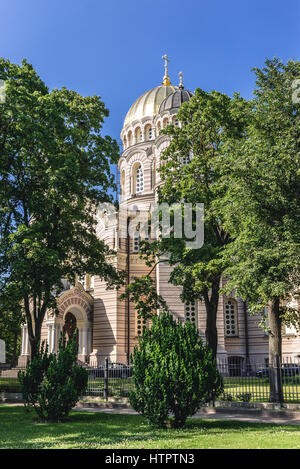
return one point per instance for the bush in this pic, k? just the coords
(174, 373)
(51, 383)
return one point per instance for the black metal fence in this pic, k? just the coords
(250, 381)
(243, 382)
(110, 380)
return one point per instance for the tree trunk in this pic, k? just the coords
(34, 335)
(14, 358)
(211, 305)
(275, 351)
(34, 323)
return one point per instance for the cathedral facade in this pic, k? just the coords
(109, 327)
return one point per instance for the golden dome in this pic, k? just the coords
(149, 103)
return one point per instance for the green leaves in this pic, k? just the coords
(54, 170)
(142, 292)
(173, 372)
(261, 202)
(53, 383)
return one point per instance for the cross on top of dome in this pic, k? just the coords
(181, 87)
(166, 79)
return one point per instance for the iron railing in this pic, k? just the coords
(248, 382)
(110, 380)
(243, 381)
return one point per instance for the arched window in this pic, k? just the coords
(148, 132)
(165, 122)
(138, 178)
(123, 182)
(231, 326)
(124, 142)
(140, 324)
(136, 242)
(175, 121)
(186, 160)
(158, 127)
(190, 312)
(138, 135)
(129, 138)
(153, 173)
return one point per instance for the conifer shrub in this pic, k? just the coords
(174, 373)
(52, 383)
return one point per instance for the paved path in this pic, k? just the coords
(256, 416)
(265, 416)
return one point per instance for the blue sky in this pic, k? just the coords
(113, 48)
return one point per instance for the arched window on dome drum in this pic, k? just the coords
(138, 178)
(138, 135)
(230, 316)
(158, 127)
(186, 160)
(124, 143)
(148, 132)
(190, 312)
(165, 122)
(175, 121)
(129, 138)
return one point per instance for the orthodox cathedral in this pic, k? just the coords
(109, 327)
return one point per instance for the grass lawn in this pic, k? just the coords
(100, 430)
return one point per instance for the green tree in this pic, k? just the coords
(54, 170)
(174, 373)
(261, 205)
(189, 173)
(52, 384)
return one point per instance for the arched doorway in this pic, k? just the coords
(69, 325)
(75, 312)
(75, 320)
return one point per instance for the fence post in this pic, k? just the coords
(106, 378)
